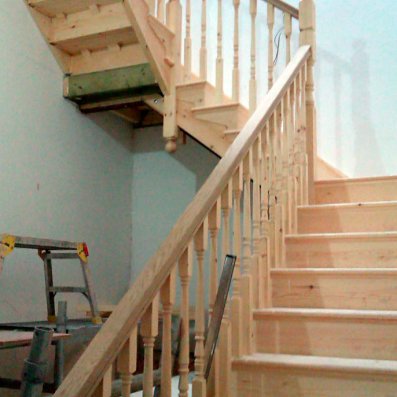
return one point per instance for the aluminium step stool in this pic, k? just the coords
(63, 250)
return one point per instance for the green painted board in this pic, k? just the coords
(111, 84)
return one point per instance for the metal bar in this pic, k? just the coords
(79, 290)
(49, 285)
(96, 318)
(63, 255)
(218, 310)
(45, 244)
(36, 365)
(285, 7)
(59, 348)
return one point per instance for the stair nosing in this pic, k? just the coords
(342, 314)
(356, 180)
(358, 204)
(193, 83)
(218, 106)
(335, 271)
(343, 235)
(319, 363)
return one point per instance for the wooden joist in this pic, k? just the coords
(53, 8)
(114, 84)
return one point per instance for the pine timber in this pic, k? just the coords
(348, 217)
(100, 354)
(155, 49)
(285, 7)
(327, 332)
(342, 250)
(52, 8)
(326, 171)
(276, 375)
(367, 289)
(354, 190)
(313, 304)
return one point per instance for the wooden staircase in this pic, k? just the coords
(331, 329)
(314, 304)
(117, 56)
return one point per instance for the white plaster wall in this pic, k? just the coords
(62, 175)
(356, 87)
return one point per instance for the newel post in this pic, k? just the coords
(307, 25)
(170, 128)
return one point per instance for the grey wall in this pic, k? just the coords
(162, 186)
(63, 175)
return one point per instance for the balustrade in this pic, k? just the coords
(250, 199)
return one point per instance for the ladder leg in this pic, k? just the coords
(96, 318)
(49, 282)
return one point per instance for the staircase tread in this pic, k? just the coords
(55, 7)
(388, 203)
(193, 83)
(320, 363)
(218, 106)
(336, 313)
(343, 235)
(232, 131)
(333, 271)
(356, 180)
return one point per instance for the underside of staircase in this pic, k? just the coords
(329, 327)
(114, 61)
(108, 66)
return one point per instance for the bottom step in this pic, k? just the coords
(282, 375)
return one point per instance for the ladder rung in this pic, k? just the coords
(80, 290)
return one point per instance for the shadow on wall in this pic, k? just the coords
(109, 123)
(190, 156)
(366, 149)
(350, 87)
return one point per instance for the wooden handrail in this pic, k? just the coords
(105, 347)
(285, 7)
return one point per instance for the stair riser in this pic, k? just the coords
(342, 253)
(200, 94)
(356, 191)
(337, 291)
(330, 337)
(230, 117)
(271, 382)
(377, 218)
